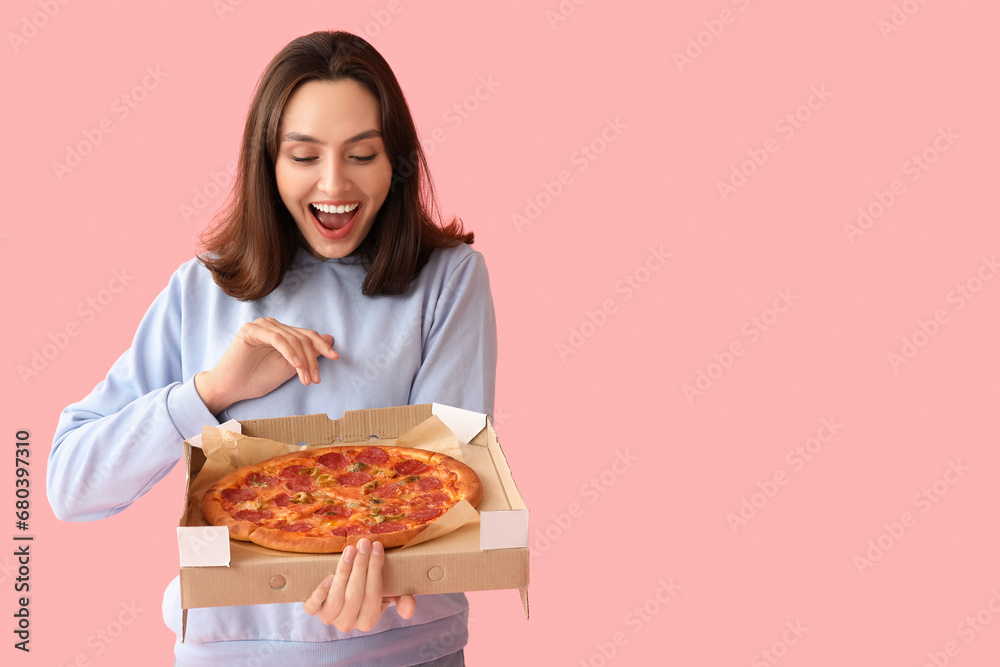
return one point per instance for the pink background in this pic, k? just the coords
(592, 371)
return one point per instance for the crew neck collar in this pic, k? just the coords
(303, 256)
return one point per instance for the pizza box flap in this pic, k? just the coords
(453, 563)
(360, 425)
(354, 426)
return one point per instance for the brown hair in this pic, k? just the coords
(254, 238)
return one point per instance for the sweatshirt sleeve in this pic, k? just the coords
(111, 447)
(459, 358)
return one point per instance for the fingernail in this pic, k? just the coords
(328, 581)
(315, 375)
(349, 554)
(364, 546)
(377, 548)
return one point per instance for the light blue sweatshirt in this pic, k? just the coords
(435, 343)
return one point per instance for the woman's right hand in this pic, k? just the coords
(351, 598)
(264, 355)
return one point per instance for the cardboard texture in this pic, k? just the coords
(451, 563)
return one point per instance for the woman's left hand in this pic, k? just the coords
(351, 599)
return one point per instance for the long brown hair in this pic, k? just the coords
(253, 238)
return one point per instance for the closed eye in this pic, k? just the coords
(356, 158)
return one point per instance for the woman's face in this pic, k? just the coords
(332, 170)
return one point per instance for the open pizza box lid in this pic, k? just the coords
(491, 555)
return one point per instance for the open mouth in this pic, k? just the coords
(333, 217)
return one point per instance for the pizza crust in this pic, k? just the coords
(211, 507)
(273, 538)
(468, 481)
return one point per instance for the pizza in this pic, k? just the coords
(321, 500)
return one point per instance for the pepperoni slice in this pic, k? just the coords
(409, 467)
(238, 495)
(282, 500)
(391, 510)
(422, 515)
(428, 483)
(354, 479)
(387, 527)
(301, 483)
(434, 499)
(334, 510)
(299, 527)
(372, 456)
(386, 490)
(256, 479)
(344, 531)
(291, 472)
(334, 461)
(253, 516)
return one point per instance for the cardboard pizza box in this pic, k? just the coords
(217, 571)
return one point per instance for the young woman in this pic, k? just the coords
(325, 286)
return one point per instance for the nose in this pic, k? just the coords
(333, 178)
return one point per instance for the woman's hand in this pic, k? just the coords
(264, 355)
(351, 599)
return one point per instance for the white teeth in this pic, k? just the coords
(327, 208)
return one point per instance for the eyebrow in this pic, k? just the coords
(305, 138)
